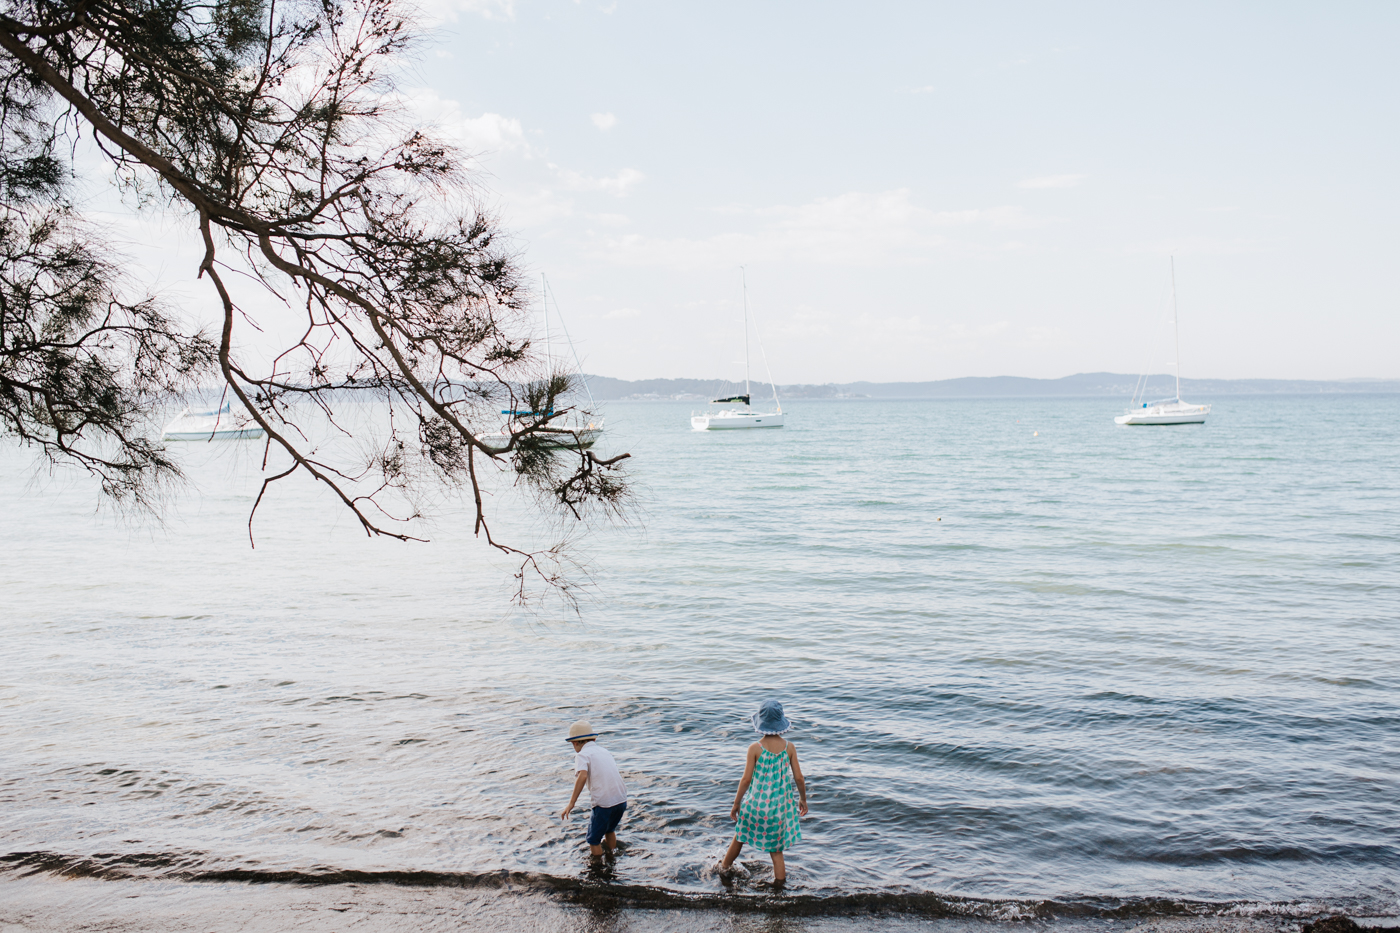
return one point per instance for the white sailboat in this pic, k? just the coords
(728, 419)
(223, 424)
(571, 438)
(1168, 410)
(572, 434)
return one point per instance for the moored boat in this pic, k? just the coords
(570, 433)
(1168, 410)
(732, 418)
(729, 419)
(223, 424)
(564, 437)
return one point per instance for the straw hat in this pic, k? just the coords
(581, 730)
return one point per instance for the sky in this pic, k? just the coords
(933, 190)
(922, 191)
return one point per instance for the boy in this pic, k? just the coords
(596, 768)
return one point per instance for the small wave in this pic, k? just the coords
(597, 890)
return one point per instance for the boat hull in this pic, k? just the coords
(555, 439)
(223, 425)
(732, 422)
(1195, 414)
(230, 434)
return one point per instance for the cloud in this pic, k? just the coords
(1201, 246)
(616, 185)
(622, 314)
(490, 132)
(926, 89)
(539, 207)
(486, 9)
(604, 121)
(856, 228)
(541, 200)
(1051, 181)
(434, 12)
(858, 330)
(1043, 338)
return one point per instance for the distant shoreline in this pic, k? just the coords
(1082, 385)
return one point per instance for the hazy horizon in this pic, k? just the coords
(1156, 375)
(1076, 385)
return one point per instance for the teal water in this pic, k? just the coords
(1028, 654)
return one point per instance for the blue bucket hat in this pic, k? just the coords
(770, 719)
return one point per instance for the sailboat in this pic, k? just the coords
(734, 418)
(1168, 410)
(219, 425)
(571, 434)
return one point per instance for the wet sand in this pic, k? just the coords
(50, 904)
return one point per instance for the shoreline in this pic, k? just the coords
(49, 903)
(42, 892)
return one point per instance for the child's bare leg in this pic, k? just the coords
(610, 840)
(734, 848)
(596, 850)
(779, 867)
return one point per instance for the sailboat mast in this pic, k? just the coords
(1176, 329)
(544, 300)
(743, 277)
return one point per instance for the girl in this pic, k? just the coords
(767, 817)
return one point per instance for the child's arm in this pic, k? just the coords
(797, 777)
(579, 781)
(745, 781)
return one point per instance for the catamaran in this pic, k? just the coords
(1168, 410)
(731, 418)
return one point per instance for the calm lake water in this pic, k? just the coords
(1029, 654)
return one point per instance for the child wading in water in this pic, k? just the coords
(594, 767)
(767, 817)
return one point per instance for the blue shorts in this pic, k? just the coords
(604, 821)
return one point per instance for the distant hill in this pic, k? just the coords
(1080, 384)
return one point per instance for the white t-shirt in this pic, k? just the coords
(605, 785)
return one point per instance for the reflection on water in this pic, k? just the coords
(1126, 663)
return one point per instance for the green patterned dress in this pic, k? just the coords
(768, 815)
